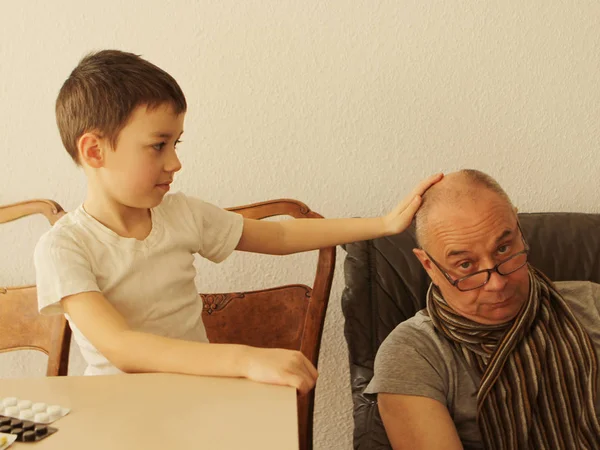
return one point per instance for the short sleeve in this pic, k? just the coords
(409, 366)
(220, 230)
(61, 269)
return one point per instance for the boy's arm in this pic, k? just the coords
(292, 236)
(134, 351)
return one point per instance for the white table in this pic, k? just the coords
(162, 411)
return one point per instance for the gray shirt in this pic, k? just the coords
(415, 360)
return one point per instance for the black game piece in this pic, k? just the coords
(26, 431)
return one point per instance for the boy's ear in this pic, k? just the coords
(91, 150)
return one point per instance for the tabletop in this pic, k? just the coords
(162, 411)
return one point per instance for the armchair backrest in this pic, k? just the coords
(385, 285)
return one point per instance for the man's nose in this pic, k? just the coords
(496, 282)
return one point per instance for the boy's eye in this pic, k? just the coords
(160, 146)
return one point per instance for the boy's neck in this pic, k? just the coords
(124, 220)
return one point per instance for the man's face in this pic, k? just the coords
(140, 169)
(477, 235)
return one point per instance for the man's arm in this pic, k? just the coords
(417, 423)
(293, 236)
(133, 351)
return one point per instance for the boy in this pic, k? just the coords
(120, 267)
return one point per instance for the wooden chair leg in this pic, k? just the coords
(305, 421)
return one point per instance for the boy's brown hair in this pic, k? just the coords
(104, 89)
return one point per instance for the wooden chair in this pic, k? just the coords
(21, 326)
(289, 317)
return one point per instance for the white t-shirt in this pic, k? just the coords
(150, 282)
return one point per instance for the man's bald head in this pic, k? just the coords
(456, 189)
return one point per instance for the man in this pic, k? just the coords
(501, 358)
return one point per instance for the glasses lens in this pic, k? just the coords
(512, 264)
(472, 281)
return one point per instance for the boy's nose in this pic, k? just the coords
(173, 164)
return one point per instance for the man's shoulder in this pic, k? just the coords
(418, 325)
(417, 333)
(414, 360)
(582, 296)
(576, 287)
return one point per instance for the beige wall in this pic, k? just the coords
(342, 104)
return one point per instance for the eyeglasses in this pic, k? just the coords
(480, 278)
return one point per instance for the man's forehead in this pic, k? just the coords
(478, 221)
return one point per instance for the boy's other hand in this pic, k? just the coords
(281, 367)
(402, 215)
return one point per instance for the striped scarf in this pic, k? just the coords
(538, 372)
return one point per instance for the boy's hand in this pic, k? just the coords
(402, 215)
(282, 367)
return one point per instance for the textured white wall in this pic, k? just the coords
(344, 105)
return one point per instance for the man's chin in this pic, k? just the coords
(503, 311)
(500, 304)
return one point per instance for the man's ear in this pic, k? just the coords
(425, 262)
(91, 148)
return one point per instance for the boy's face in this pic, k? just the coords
(139, 171)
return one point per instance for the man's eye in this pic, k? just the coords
(159, 147)
(503, 249)
(466, 265)
(177, 142)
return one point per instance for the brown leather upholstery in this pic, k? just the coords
(290, 317)
(21, 326)
(385, 285)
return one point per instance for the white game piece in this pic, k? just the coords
(10, 401)
(12, 411)
(38, 407)
(28, 410)
(24, 404)
(41, 417)
(55, 412)
(26, 414)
